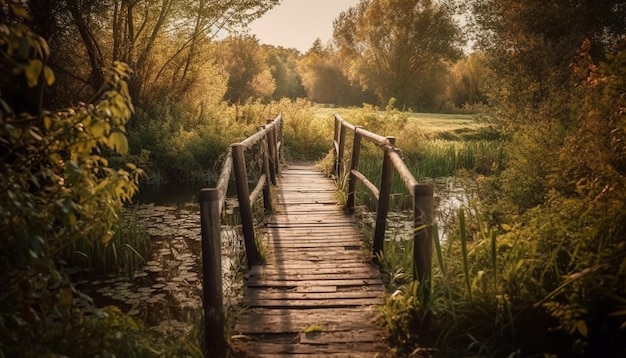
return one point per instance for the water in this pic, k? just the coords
(166, 292)
(450, 194)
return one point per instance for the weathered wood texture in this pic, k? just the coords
(317, 293)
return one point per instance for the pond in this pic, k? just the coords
(166, 293)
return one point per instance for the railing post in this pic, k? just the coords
(354, 165)
(383, 201)
(280, 139)
(341, 151)
(245, 210)
(422, 235)
(271, 146)
(267, 196)
(336, 143)
(212, 298)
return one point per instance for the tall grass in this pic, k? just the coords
(123, 253)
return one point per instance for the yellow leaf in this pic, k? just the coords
(98, 129)
(65, 297)
(313, 328)
(581, 326)
(47, 122)
(48, 75)
(118, 142)
(107, 238)
(20, 12)
(32, 72)
(506, 227)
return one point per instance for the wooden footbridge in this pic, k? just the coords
(314, 292)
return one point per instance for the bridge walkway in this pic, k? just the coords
(317, 293)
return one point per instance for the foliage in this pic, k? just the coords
(396, 47)
(57, 188)
(323, 76)
(538, 267)
(248, 74)
(283, 66)
(162, 41)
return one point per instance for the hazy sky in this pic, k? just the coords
(297, 23)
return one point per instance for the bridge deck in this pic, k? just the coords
(317, 292)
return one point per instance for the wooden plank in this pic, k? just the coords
(344, 302)
(273, 294)
(256, 281)
(276, 270)
(317, 273)
(304, 264)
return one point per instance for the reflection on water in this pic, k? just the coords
(450, 194)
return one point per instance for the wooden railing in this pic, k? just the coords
(422, 194)
(212, 200)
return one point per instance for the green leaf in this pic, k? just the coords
(32, 72)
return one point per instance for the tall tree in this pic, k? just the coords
(393, 43)
(248, 74)
(323, 73)
(283, 65)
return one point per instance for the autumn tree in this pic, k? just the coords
(283, 66)
(465, 83)
(394, 44)
(323, 73)
(248, 74)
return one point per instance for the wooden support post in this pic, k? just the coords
(280, 155)
(267, 196)
(422, 235)
(271, 146)
(354, 165)
(342, 150)
(336, 144)
(212, 298)
(245, 209)
(386, 180)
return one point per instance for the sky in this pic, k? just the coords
(297, 23)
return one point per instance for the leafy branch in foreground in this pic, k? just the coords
(56, 190)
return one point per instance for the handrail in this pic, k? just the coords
(422, 194)
(212, 201)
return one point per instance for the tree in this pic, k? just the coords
(324, 78)
(393, 44)
(283, 65)
(465, 82)
(248, 75)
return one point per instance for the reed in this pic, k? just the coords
(123, 253)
